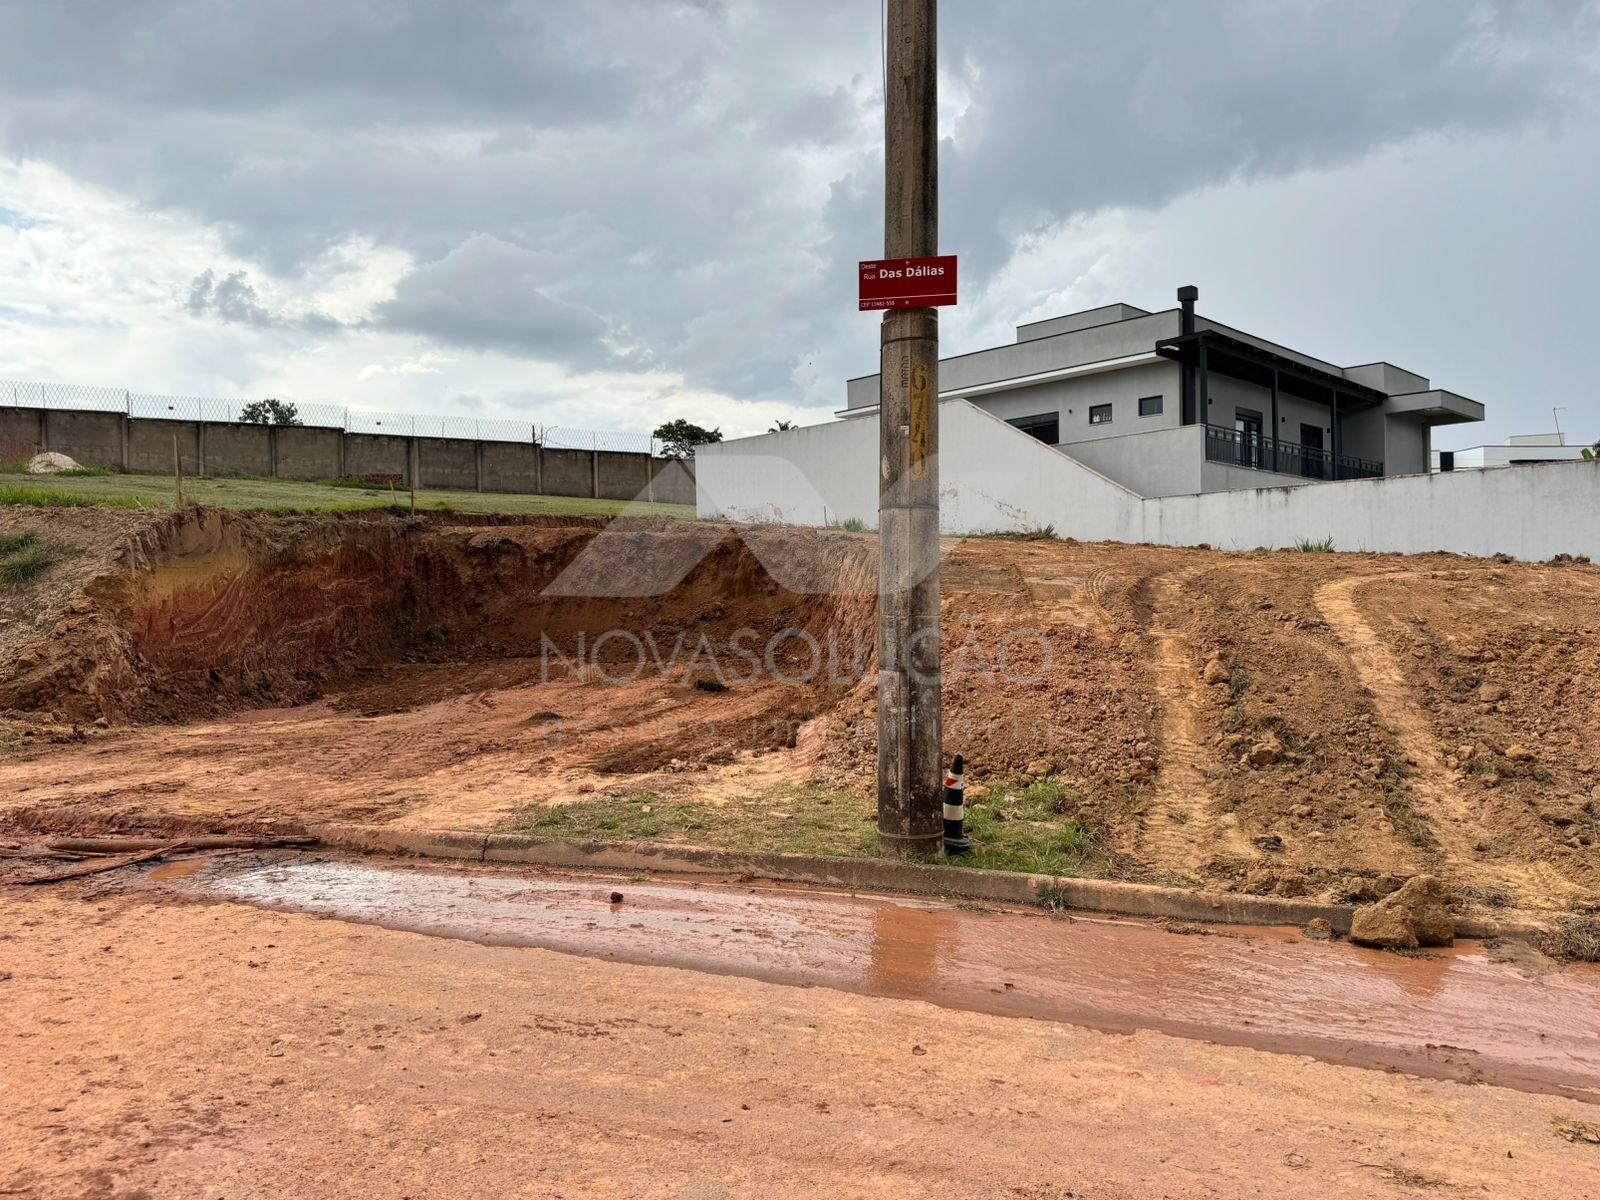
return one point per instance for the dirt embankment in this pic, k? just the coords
(1274, 722)
(179, 617)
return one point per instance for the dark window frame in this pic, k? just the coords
(1160, 405)
(1106, 409)
(1038, 424)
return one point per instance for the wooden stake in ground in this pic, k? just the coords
(415, 460)
(177, 469)
(910, 784)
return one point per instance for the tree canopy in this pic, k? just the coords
(680, 437)
(270, 412)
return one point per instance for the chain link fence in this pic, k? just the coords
(74, 397)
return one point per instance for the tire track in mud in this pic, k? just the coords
(1433, 787)
(1182, 830)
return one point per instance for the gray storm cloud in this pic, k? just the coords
(662, 173)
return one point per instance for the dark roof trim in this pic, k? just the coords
(1185, 348)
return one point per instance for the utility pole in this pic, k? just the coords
(910, 780)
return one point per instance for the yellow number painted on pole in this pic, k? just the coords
(919, 421)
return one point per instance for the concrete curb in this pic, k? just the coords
(875, 875)
(851, 874)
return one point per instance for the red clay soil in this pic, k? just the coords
(1274, 722)
(166, 1050)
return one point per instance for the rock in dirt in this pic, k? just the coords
(1265, 752)
(50, 463)
(1318, 928)
(1414, 916)
(1519, 753)
(1215, 672)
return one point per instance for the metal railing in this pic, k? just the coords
(72, 397)
(1237, 448)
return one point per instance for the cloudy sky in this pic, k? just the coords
(606, 213)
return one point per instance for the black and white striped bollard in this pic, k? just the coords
(956, 840)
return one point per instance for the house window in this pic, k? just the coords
(1045, 426)
(1149, 406)
(1100, 414)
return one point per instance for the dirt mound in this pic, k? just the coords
(1284, 723)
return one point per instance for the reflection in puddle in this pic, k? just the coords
(1453, 1014)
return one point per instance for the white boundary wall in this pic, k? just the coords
(994, 477)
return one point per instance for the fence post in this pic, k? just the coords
(272, 449)
(594, 466)
(477, 463)
(538, 463)
(127, 418)
(200, 447)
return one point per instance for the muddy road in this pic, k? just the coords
(1450, 1014)
(161, 1041)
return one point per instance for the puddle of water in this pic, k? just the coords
(1453, 1015)
(181, 869)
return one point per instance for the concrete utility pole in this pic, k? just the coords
(910, 783)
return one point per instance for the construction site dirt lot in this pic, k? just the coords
(1297, 724)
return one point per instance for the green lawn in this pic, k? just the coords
(281, 495)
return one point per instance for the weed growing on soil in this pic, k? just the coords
(1411, 825)
(43, 497)
(1029, 533)
(1575, 939)
(24, 557)
(1028, 829)
(1321, 546)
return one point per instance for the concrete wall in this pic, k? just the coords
(1531, 513)
(150, 445)
(993, 477)
(674, 480)
(621, 476)
(309, 454)
(376, 454)
(448, 463)
(510, 467)
(234, 450)
(231, 450)
(1162, 463)
(568, 473)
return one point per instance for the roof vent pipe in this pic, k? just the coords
(1187, 295)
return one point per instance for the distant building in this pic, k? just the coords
(1525, 448)
(1114, 387)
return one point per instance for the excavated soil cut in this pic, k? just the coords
(1272, 722)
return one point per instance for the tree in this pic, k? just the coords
(680, 437)
(1592, 454)
(270, 412)
(782, 427)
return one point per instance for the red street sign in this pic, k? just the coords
(908, 282)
